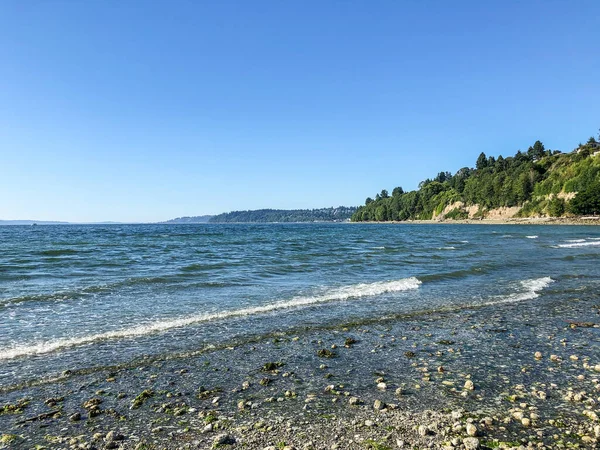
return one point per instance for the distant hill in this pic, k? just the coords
(192, 219)
(536, 183)
(339, 214)
(30, 222)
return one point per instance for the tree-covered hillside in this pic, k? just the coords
(188, 219)
(540, 182)
(339, 214)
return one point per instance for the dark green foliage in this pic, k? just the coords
(529, 180)
(537, 151)
(442, 176)
(398, 191)
(587, 201)
(457, 214)
(338, 214)
(556, 207)
(482, 162)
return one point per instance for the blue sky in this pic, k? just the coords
(144, 111)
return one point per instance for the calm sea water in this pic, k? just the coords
(84, 296)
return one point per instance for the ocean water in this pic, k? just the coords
(75, 297)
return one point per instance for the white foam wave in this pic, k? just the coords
(531, 237)
(580, 244)
(336, 294)
(447, 248)
(531, 289)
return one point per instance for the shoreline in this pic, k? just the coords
(521, 374)
(508, 221)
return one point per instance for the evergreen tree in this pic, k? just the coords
(481, 162)
(537, 151)
(587, 201)
(397, 192)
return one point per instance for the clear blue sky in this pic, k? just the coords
(143, 111)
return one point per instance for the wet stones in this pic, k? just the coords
(538, 355)
(349, 342)
(15, 408)
(542, 395)
(456, 415)
(271, 366)
(353, 401)
(224, 439)
(141, 398)
(112, 436)
(471, 429)
(471, 443)
(92, 406)
(53, 401)
(469, 386)
(326, 353)
(378, 405)
(75, 417)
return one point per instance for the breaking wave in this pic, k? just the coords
(530, 289)
(595, 243)
(336, 294)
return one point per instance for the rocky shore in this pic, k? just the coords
(592, 220)
(523, 375)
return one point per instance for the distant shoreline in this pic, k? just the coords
(512, 221)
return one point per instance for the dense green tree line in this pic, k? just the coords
(339, 214)
(532, 180)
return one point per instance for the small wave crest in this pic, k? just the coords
(531, 237)
(530, 289)
(580, 244)
(336, 294)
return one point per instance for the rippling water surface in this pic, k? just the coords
(81, 296)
